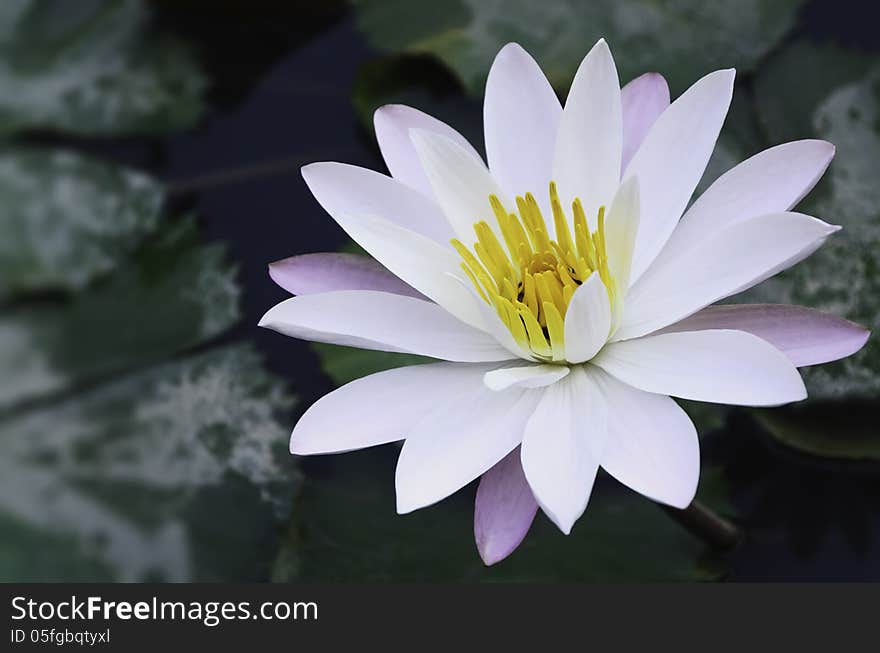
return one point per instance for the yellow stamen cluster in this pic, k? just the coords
(530, 279)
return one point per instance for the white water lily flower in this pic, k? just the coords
(565, 287)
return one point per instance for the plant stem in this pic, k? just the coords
(707, 525)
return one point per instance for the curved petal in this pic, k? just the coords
(378, 320)
(531, 376)
(587, 321)
(308, 274)
(673, 157)
(772, 181)
(520, 116)
(344, 189)
(642, 101)
(652, 445)
(586, 163)
(392, 123)
(462, 185)
(560, 447)
(382, 407)
(504, 509)
(734, 259)
(718, 366)
(621, 230)
(805, 335)
(427, 266)
(452, 446)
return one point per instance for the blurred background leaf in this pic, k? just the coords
(138, 440)
(121, 472)
(90, 68)
(67, 219)
(842, 277)
(171, 296)
(685, 39)
(844, 432)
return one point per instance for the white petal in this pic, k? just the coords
(383, 321)
(772, 181)
(734, 259)
(344, 189)
(652, 445)
(588, 320)
(381, 407)
(452, 446)
(531, 376)
(621, 231)
(559, 449)
(719, 366)
(462, 185)
(642, 101)
(432, 269)
(307, 274)
(392, 123)
(590, 139)
(520, 115)
(672, 159)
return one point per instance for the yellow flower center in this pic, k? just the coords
(531, 281)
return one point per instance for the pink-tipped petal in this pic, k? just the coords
(642, 102)
(392, 123)
(504, 509)
(385, 322)
(316, 273)
(805, 335)
(672, 158)
(720, 366)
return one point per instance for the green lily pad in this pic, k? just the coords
(116, 463)
(176, 473)
(845, 432)
(843, 277)
(89, 68)
(67, 219)
(344, 364)
(346, 529)
(61, 555)
(174, 294)
(683, 39)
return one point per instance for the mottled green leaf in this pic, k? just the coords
(172, 295)
(346, 529)
(67, 219)
(843, 277)
(683, 39)
(88, 67)
(176, 473)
